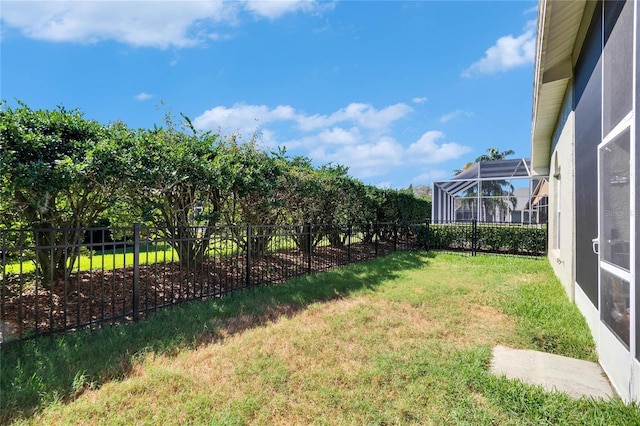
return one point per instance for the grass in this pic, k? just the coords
(108, 260)
(150, 253)
(405, 339)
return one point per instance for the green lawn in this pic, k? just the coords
(404, 339)
(149, 254)
(109, 259)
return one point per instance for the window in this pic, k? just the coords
(558, 194)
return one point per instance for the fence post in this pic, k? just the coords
(395, 236)
(3, 288)
(136, 272)
(248, 268)
(426, 236)
(376, 234)
(474, 236)
(349, 228)
(308, 243)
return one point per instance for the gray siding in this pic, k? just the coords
(588, 112)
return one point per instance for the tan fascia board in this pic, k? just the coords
(560, 71)
(551, 79)
(589, 8)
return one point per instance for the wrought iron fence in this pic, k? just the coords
(52, 280)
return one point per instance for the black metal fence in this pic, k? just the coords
(52, 280)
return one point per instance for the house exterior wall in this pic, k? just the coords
(636, 364)
(587, 84)
(561, 203)
(587, 105)
(593, 143)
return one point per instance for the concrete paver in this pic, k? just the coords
(554, 372)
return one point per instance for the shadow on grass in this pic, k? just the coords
(38, 372)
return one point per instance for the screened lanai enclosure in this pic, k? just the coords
(502, 191)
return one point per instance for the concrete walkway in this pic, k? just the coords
(553, 372)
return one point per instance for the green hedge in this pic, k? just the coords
(451, 236)
(515, 239)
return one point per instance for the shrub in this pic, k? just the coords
(504, 238)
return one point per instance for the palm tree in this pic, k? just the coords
(493, 192)
(469, 197)
(495, 155)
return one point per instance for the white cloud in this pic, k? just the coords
(242, 117)
(143, 97)
(455, 114)
(430, 176)
(267, 138)
(508, 52)
(427, 150)
(326, 138)
(159, 24)
(340, 136)
(363, 115)
(364, 160)
(383, 185)
(273, 9)
(419, 100)
(358, 136)
(138, 23)
(370, 158)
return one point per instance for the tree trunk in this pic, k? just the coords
(191, 247)
(48, 257)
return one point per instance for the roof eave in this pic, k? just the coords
(558, 28)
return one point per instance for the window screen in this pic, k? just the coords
(618, 63)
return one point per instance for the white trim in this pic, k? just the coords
(588, 310)
(526, 166)
(616, 270)
(635, 372)
(625, 123)
(558, 209)
(616, 360)
(633, 385)
(618, 369)
(479, 179)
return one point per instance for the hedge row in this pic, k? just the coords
(495, 238)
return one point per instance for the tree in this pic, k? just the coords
(57, 170)
(422, 191)
(173, 184)
(248, 182)
(493, 154)
(348, 203)
(494, 193)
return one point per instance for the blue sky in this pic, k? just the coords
(401, 92)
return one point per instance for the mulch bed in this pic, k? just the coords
(91, 298)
